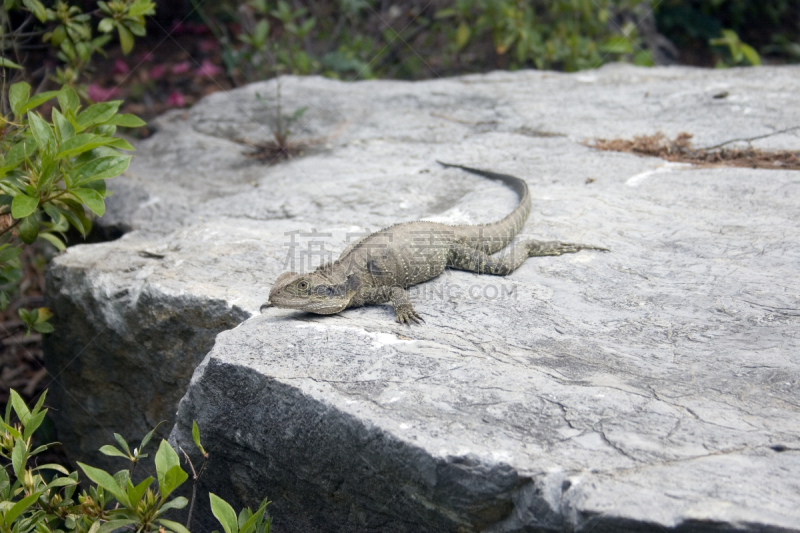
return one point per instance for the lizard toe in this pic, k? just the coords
(407, 316)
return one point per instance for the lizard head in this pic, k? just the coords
(314, 293)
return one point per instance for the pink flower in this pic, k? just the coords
(157, 72)
(178, 27)
(208, 45)
(209, 69)
(99, 94)
(180, 68)
(120, 67)
(176, 99)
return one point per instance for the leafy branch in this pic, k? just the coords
(31, 501)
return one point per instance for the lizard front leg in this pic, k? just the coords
(402, 306)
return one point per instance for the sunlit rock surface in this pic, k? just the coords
(647, 389)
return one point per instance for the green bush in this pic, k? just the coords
(715, 33)
(53, 164)
(263, 38)
(417, 39)
(51, 171)
(42, 498)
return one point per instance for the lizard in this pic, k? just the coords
(381, 266)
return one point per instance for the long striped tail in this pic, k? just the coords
(495, 236)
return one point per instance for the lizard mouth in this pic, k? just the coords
(319, 307)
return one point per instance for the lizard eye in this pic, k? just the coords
(303, 285)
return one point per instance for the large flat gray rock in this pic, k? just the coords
(649, 388)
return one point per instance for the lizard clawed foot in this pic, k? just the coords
(406, 314)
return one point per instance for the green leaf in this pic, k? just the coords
(751, 55)
(17, 155)
(7, 63)
(18, 95)
(122, 144)
(97, 113)
(34, 421)
(113, 525)
(107, 481)
(462, 35)
(123, 479)
(101, 168)
(61, 482)
(107, 130)
(23, 205)
(618, 45)
(28, 318)
(142, 7)
(91, 198)
(7, 254)
(149, 436)
(43, 327)
(45, 314)
(135, 28)
(166, 460)
(29, 229)
(68, 101)
(174, 526)
(37, 9)
(123, 444)
(224, 513)
(14, 433)
(76, 217)
(42, 448)
(196, 437)
(53, 466)
(64, 128)
(260, 33)
(298, 113)
(54, 240)
(23, 413)
(82, 143)
(643, 58)
(42, 132)
(174, 478)
(127, 121)
(38, 100)
(178, 503)
(250, 524)
(112, 451)
(125, 38)
(19, 508)
(106, 25)
(135, 493)
(97, 185)
(19, 457)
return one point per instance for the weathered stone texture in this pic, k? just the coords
(654, 387)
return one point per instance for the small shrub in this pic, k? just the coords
(353, 39)
(54, 163)
(44, 498)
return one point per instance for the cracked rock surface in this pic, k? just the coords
(655, 387)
